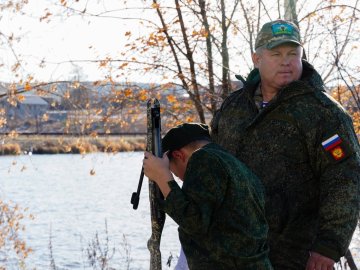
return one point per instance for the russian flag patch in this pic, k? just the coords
(336, 148)
(331, 142)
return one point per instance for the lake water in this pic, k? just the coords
(73, 196)
(71, 206)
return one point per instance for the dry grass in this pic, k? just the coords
(10, 149)
(55, 144)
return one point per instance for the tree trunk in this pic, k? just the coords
(210, 66)
(224, 54)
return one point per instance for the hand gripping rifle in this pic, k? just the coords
(153, 145)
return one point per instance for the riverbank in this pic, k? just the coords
(61, 144)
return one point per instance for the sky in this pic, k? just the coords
(59, 40)
(64, 38)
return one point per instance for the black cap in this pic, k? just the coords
(184, 134)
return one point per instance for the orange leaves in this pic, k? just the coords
(202, 33)
(171, 98)
(128, 92)
(41, 92)
(45, 117)
(105, 62)
(143, 95)
(20, 98)
(2, 121)
(156, 39)
(46, 17)
(345, 97)
(10, 228)
(123, 65)
(66, 95)
(75, 84)
(27, 86)
(155, 5)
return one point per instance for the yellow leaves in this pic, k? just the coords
(156, 39)
(10, 227)
(75, 85)
(27, 86)
(171, 98)
(13, 134)
(128, 92)
(20, 98)
(123, 65)
(98, 111)
(143, 95)
(2, 118)
(67, 94)
(45, 117)
(202, 33)
(41, 92)
(127, 34)
(2, 122)
(105, 62)
(155, 5)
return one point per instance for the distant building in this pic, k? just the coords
(25, 115)
(31, 106)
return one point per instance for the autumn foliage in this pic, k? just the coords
(11, 217)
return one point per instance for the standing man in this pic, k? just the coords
(220, 207)
(302, 145)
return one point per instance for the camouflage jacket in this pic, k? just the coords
(220, 213)
(304, 149)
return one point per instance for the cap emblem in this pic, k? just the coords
(282, 29)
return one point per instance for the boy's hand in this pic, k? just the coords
(319, 262)
(157, 169)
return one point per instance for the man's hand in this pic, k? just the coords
(317, 261)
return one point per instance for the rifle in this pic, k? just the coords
(153, 145)
(350, 260)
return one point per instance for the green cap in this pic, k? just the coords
(184, 134)
(278, 32)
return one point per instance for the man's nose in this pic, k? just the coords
(285, 60)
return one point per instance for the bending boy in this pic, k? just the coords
(220, 207)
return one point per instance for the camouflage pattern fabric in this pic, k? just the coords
(220, 213)
(304, 149)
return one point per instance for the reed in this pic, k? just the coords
(61, 144)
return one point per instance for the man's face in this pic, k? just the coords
(279, 66)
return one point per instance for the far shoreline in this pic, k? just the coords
(18, 144)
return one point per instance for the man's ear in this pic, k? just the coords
(255, 58)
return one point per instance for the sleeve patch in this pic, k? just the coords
(336, 148)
